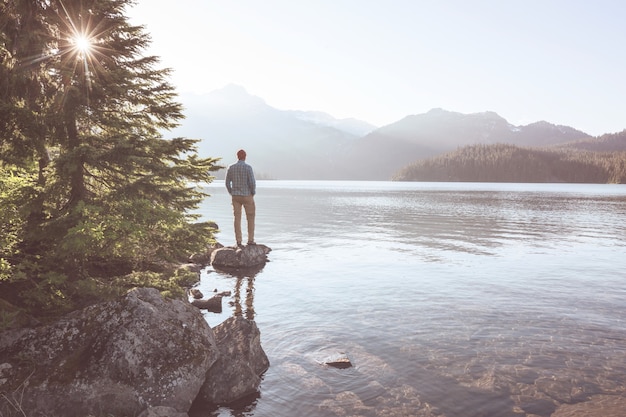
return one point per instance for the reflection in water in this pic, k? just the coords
(240, 408)
(249, 313)
(244, 282)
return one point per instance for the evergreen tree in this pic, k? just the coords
(102, 192)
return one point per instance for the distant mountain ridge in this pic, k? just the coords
(280, 144)
(291, 144)
(439, 131)
(610, 142)
(350, 125)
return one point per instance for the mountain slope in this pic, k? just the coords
(314, 145)
(610, 142)
(349, 125)
(382, 152)
(279, 144)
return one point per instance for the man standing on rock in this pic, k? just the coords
(241, 185)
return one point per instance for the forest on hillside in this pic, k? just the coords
(509, 163)
(609, 142)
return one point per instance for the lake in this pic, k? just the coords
(450, 299)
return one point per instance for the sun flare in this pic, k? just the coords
(82, 44)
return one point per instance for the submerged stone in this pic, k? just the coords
(340, 360)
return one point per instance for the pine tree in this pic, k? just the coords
(82, 116)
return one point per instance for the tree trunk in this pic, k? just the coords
(76, 163)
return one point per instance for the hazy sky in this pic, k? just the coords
(563, 61)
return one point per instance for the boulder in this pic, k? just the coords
(196, 293)
(213, 304)
(115, 358)
(248, 256)
(192, 267)
(242, 361)
(203, 259)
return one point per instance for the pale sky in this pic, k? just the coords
(563, 61)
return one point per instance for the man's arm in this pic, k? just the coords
(228, 181)
(251, 181)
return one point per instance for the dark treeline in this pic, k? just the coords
(509, 163)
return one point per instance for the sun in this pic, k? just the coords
(82, 44)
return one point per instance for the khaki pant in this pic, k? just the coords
(247, 202)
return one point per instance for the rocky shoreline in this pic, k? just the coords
(142, 355)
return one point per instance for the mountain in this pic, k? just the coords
(289, 144)
(280, 144)
(384, 151)
(610, 142)
(350, 125)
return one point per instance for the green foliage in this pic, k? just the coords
(16, 186)
(170, 285)
(90, 189)
(7, 318)
(136, 230)
(12, 317)
(508, 163)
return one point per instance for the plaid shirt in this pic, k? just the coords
(240, 179)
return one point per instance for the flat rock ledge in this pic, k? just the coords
(140, 356)
(232, 257)
(249, 256)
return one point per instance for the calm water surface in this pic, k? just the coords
(450, 299)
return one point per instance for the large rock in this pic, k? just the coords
(213, 304)
(248, 256)
(115, 358)
(242, 361)
(204, 258)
